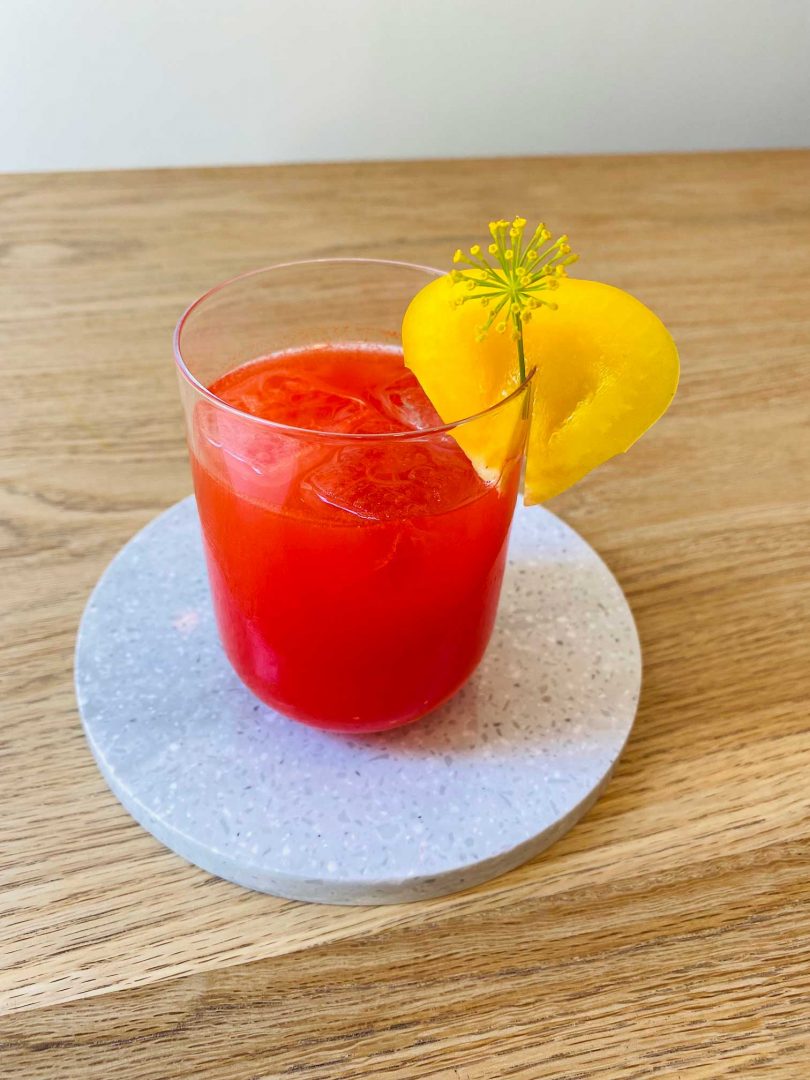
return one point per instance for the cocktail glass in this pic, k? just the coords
(355, 576)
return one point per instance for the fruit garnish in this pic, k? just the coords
(606, 366)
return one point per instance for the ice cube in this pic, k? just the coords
(394, 480)
(305, 401)
(255, 461)
(404, 402)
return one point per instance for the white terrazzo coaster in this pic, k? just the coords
(480, 786)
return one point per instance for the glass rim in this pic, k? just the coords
(291, 429)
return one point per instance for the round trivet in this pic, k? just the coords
(483, 784)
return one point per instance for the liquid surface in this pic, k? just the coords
(355, 581)
(346, 389)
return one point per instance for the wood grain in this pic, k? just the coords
(669, 933)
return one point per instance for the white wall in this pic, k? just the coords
(120, 83)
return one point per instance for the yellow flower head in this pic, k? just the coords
(513, 285)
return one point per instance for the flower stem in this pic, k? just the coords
(521, 354)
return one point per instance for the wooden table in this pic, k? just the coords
(669, 933)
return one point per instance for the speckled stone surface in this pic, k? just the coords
(472, 791)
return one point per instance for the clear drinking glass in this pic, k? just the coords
(355, 577)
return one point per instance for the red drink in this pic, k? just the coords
(355, 583)
(354, 553)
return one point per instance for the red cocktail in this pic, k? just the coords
(355, 555)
